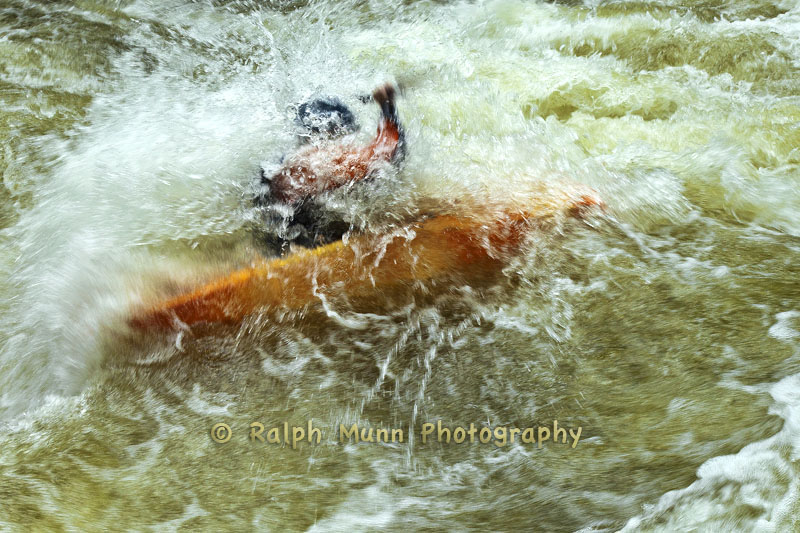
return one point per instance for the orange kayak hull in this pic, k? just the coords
(366, 266)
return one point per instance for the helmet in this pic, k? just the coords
(327, 116)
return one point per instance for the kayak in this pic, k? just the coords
(460, 248)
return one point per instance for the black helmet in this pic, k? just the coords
(325, 115)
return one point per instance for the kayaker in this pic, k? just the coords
(325, 161)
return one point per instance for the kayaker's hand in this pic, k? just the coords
(384, 94)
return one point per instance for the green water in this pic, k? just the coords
(666, 328)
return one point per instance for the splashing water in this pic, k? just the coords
(666, 329)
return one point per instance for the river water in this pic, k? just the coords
(666, 328)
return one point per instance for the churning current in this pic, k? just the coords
(660, 336)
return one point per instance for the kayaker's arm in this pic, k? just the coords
(390, 137)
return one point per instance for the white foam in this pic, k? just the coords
(756, 489)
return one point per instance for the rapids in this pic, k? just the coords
(667, 328)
